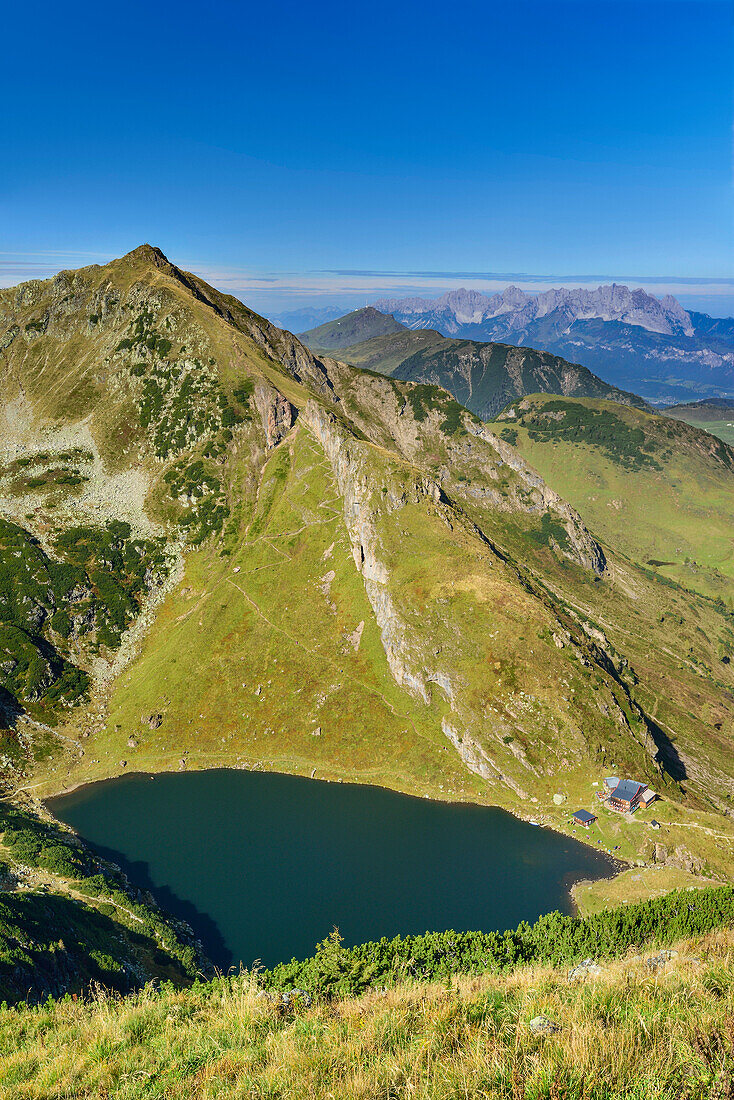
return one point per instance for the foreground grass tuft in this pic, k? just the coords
(634, 1032)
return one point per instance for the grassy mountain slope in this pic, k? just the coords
(657, 489)
(353, 328)
(654, 1025)
(715, 415)
(484, 377)
(322, 569)
(384, 354)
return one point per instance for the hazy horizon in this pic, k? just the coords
(290, 159)
(277, 293)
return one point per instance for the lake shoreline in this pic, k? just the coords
(621, 865)
(373, 860)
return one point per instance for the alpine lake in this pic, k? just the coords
(263, 866)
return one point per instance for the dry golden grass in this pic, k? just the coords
(631, 1034)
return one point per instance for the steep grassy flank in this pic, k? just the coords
(724, 429)
(270, 657)
(354, 328)
(651, 1027)
(714, 415)
(659, 490)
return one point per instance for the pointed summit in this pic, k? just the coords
(151, 254)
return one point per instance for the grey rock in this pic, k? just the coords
(287, 998)
(512, 310)
(583, 970)
(542, 1025)
(686, 860)
(658, 962)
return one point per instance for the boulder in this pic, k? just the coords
(657, 962)
(583, 970)
(287, 999)
(542, 1025)
(687, 861)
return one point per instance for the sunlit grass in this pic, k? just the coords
(632, 1033)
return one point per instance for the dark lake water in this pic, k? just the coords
(264, 865)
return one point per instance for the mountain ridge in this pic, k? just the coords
(482, 376)
(650, 345)
(608, 302)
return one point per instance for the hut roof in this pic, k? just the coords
(584, 817)
(627, 790)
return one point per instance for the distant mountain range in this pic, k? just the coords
(635, 340)
(483, 376)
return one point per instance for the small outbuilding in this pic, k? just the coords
(654, 824)
(647, 797)
(583, 817)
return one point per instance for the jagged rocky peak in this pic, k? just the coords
(608, 302)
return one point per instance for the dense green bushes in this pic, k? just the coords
(554, 939)
(424, 399)
(206, 503)
(94, 588)
(114, 570)
(554, 421)
(181, 402)
(550, 531)
(28, 942)
(51, 944)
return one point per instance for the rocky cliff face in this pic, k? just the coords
(421, 660)
(355, 478)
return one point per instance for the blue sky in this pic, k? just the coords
(298, 152)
